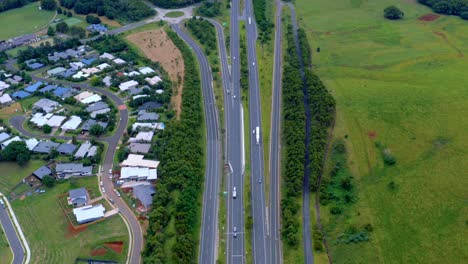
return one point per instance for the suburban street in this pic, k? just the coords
(259, 235)
(13, 239)
(235, 147)
(209, 223)
(274, 238)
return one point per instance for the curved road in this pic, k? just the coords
(209, 228)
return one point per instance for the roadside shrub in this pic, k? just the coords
(388, 158)
(335, 210)
(393, 13)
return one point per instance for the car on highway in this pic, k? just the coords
(110, 171)
(234, 233)
(234, 193)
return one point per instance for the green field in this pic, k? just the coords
(47, 229)
(12, 173)
(403, 84)
(24, 20)
(6, 255)
(174, 14)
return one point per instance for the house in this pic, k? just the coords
(143, 115)
(33, 64)
(42, 172)
(119, 61)
(98, 112)
(64, 92)
(45, 147)
(153, 80)
(138, 174)
(56, 71)
(66, 170)
(139, 147)
(56, 120)
(107, 81)
(89, 213)
(66, 149)
(106, 55)
(83, 150)
(20, 94)
(4, 136)
(132, 73)
(88, 97)
(88, 61)
(39, 119)
(80, 74)
(45, 105)
(143, 137)
(147, 126)
(146, 70)
(31, 143)
(78, 197)
(92, 151)
(67, 73)
(91, 122)
(150, 106)
(5, 99)
(139, 96)
(48, 88)
(4, 85)
(103, 66)
(97, 28)
(159, 91)
(134, 160)
(25, 39)
(7, 142)
(97, 106)
(144, 193)
(127, 85)
(33, 87)
(135, 90)
(72, 123)
(91, 70)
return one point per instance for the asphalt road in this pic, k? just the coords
(209, 228)
(13, 239)
(274, 238)
(233, 116)
(259, 235)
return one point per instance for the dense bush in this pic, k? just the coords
(393, 13)
(265, 26)
(204, 32)
(181, 170)
(209, 9)
(16, 151)
(48, 4)
(448, 7)
(10, 4)
(126, 10)
(92, 19)
(174, 3)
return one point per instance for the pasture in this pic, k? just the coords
(402, 84)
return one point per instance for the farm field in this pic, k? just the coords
(59, 243)
(401, 84)
(25, 20)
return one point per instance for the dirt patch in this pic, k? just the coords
(372, 134)
(10, 110)
(157, 46)
(99, 252)
(109, 22)
(444, 37)
(117, 246)
(428, 17)
(72, 231)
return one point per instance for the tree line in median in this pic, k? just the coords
(177, 198)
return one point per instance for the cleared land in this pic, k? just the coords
(12, 173)
(50, 236)
(403, 84)
(24, 20)
(156, 45)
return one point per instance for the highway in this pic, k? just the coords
(233, 116)
(13, 239)
(274, 238)
(259, 234)
(209, 228)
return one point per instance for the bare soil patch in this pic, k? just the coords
(157, 46)
(372, 134)
(428, 17)
(10, 110)
(72, 231)
(99, 252)
(109, 22)
(117, 246)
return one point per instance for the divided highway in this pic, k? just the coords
(259, 244)
(209, 226)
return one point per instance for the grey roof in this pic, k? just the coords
(45, 147)
(66, 148)
(139, 147)
(144, 115)
(135, 91)
(97, 106)
(91, 122)
(67, 73)
(4, 136)
(81, 152)
(42, 172)
(78, 193)
(150, 106)
(73, 168)
(46, 105)
(144, 193)
(92, 151)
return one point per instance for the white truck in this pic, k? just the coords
(257, 134)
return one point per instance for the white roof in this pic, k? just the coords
(72, 123)
(139, 96)
(6, 98)
(153, 80)
(77, 65)
(159, 126)
(106, 55)
(4, 85)
(159, 91)
(80, 74)
(89, 212)
(145, 70)
(31, 143)
(138, 172)
(103, 66)
(55, 121)
(132, 73)
(92, 99)
(127, 85)
(6, 143)
(143, 136)
(39, 119)
(119, 61)
(107, 81)
(4, 136)
(83, 95)
(134, 160)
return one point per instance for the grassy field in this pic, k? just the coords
(400, 83)
(5, 252)
(47, 229)
(174, 14)
(24, 20)
(12, 173)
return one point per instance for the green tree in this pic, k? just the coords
(78, 32)
(50, 32)
(93, 19)
(62, 27)
(16, 151)
(48, 181)
(393, 13)
(48, 4)
(96, 130)
(46, 129)
(69, 14)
